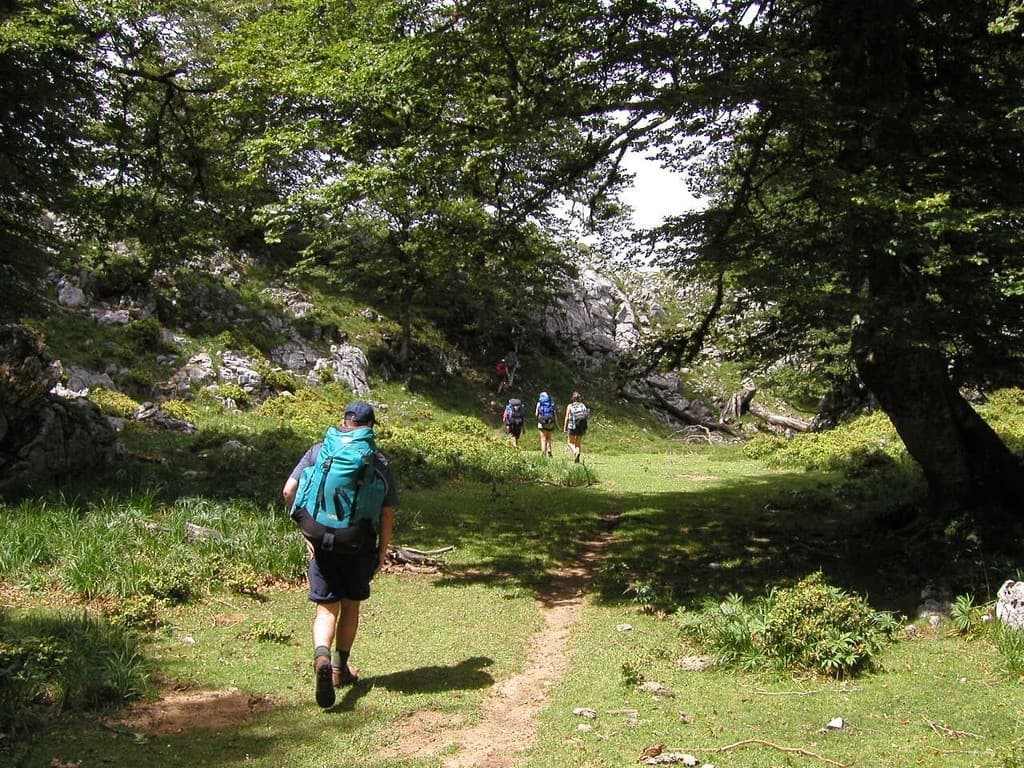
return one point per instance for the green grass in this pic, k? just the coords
(690, 523)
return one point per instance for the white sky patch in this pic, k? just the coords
(656, 192)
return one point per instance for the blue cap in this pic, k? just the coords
(544, 397)
(360, 412)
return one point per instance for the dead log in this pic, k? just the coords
(775, 419)
(743, 402)
(410, 556)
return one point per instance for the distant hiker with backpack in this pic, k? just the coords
(546, 413)
(514, 419)
(501, 371)
(343, 497)
(576, 416)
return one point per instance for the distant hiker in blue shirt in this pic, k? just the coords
(348, 540)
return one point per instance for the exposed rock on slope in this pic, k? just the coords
(43, 437)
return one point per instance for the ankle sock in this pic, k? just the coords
(339, 659)
(321, 650)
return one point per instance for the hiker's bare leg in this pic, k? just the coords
(325, 623)
(348, 625)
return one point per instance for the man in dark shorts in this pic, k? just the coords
(338, 582)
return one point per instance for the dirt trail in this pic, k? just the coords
(508, 724)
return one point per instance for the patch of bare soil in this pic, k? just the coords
(181, 711)
(508, 724)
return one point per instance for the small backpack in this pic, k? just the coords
(546, 410)
(515, 414)
(578, 415)
(339, 499)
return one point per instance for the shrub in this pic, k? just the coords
(864, 443)
(1010, 643)
(75, 663)
(1004, 410)
(179, 409)
(114, 403)
(144, 336)
(231, 390)
(811, 627)
(968, 619)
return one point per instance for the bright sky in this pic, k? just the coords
(656, 193)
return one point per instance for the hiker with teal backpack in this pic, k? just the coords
(576, 417)
(546, 413)
(343, 497)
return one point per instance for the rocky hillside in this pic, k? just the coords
(223, 328)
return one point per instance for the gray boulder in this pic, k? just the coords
(1010, 604)
(346, 364)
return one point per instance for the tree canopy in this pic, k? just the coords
(860, 161)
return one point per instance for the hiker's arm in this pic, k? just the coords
(387, 525)
(291, 485)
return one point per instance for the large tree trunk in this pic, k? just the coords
(966, 464)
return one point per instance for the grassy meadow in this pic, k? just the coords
(112, 600)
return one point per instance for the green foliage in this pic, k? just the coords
(429, 453)
(632, 674)
(810, 627)
(113, 403)
(1009, 641)
(277, 379)
(866, 443)
(271, 631)
(135, 612)
(968, 619)
(179, 409)
(141, 553)
(307, 411)
(117, 272)
(1011, 755)
(231, 391)
(143, 336)
(1004, 411)
(71, 663)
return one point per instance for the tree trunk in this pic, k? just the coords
(966, 464)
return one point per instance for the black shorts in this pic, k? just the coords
(514, 429)
(334, 577)
(579, 429)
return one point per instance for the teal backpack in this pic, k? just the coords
(339, 498)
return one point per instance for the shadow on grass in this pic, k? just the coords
(680, 548)
(464, 676)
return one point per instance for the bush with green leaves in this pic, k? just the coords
(1004, 410)
(114, 403)
(231, 391)
(430, 453)
(70, 663)
(179, 409)
(123, 548)
(810, 627)
(866, 442)
(1009, 641)
(144, 336)
(968, 619)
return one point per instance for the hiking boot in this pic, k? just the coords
(342, 677)
(324, 684)
(577, 459)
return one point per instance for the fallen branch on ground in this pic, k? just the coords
(791, 750)
(410, 556)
